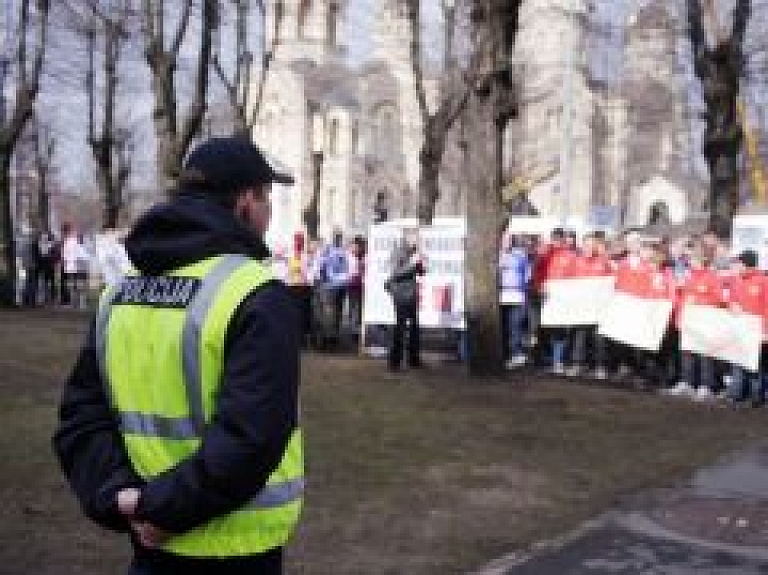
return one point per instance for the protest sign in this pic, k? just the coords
(635, 321)
(576, 301)
(732, 337)
(441, 289)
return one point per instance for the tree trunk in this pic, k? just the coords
(484, 209)
(7, 235)
(429, 180)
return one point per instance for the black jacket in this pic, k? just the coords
(257, 407)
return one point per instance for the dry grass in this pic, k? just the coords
(420, 473)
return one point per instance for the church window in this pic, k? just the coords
(658, 214)
(356, 137)
(333, 137)
(333, 24)
(304, 7)
(354, 208)
(330, 207)
(386, 132)
(279, 13)
(381, 207)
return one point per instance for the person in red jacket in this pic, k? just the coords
(702, 286)
(555, 263)
(592, 262)
(747, 293)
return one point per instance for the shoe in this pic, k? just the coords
(757, 403)
(517, 360)
(681, 389)
(573, 371)
(394, 368)
(623, 372)
(601, 374)
(704, 394)
(416, 365)
(558, 369)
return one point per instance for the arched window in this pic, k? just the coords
(333, 25)
(386, 132)
(658, 215)
(356, 137)
(353, 216)
(381, 209)
(333, 138)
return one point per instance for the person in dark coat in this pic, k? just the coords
(221, 208)
(402, 286)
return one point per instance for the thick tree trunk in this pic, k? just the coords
(484, 211)
(7, 235)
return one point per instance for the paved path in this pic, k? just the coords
(718, 525)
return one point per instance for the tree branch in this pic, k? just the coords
(181, 31)
(194, 120)
(414, 19)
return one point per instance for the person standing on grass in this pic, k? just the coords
(179, 423)
(514, 281)
(403, 287)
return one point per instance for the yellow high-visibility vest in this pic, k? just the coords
(161, 347)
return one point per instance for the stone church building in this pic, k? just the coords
(351, 135)
(583, 143)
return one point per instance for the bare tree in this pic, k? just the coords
(44, 150)
(246, 102)
(176, 131)
(437, 125)
(490, 107)
(109, 144)
(29, 50)
(721, 69)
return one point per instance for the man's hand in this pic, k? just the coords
(149, 536)
(127, 501)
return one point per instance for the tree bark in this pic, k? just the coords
(484, 218)
(721, 69)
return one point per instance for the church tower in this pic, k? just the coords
(392, 34)
(306, 30)
(551, 140)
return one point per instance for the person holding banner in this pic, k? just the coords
(701, 287)
(555, 263)
(514, 279)
(593, 262)
(747, 293)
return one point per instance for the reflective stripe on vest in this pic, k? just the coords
(238, 533)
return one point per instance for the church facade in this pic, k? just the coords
(352, 135)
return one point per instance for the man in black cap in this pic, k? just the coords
(179, 423)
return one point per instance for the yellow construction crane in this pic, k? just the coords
(751, 139)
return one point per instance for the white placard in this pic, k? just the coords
(575, 302)
(635, 321)
(732, 337)
(441, 289)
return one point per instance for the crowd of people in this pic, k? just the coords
(56, 269)
(328, 281)
(697, 270)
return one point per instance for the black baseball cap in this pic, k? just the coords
(228, 164)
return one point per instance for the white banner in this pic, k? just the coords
(732, 337)
(576, 301)
(441, 289)
(635, 321)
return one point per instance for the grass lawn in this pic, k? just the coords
(425, 473)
